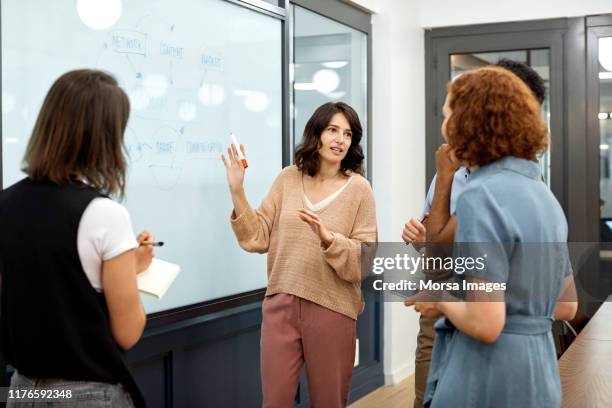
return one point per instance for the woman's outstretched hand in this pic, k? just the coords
(317, 226)
(234, 168)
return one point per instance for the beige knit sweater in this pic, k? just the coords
(297, 264)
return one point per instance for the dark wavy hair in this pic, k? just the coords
(528, 75)
(306, 155)
(494, 114)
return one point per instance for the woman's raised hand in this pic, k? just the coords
(234, 168)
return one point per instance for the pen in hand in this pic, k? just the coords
(152, 243)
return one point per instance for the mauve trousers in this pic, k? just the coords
(295, 332)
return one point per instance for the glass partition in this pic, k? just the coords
(329, 64)
(604, 117)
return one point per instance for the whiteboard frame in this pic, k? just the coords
(336, 10)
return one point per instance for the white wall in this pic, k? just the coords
(439, 13)
(398, 148)
(370, 5)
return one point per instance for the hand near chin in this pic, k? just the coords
(446, 161)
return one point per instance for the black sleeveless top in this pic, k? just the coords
(53, 323)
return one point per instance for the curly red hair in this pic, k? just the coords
(494, 114)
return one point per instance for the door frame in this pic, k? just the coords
(573, 100)
(596, 28)
(565, 39)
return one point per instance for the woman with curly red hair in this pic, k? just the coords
(495, 349)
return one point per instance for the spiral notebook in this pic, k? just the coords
(158, 278)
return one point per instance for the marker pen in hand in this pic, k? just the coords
(157, 244)
(240, 155)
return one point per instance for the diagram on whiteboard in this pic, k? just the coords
(176, 88)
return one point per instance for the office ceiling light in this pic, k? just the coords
(211, 94)
(604, 147)
(335, 64)
(603, 115)
(257, 101)
(99, 14)
(326, 81)
(605, 53)
(155, 85)
(8, 102)
(605, 75)
(304, 86)
(139, 99)
(187, 111)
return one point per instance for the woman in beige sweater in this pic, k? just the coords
(312, 224)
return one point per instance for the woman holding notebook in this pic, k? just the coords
(68, 256)
(312, 224)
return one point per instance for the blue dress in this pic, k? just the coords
(507, 212)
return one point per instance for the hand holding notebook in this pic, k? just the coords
(158, 277)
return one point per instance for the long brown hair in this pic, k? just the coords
(306, 155)
(79, 132)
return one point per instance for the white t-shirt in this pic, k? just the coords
(105, 231)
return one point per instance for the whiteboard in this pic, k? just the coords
(195, 70)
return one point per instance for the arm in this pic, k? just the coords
(482, 317)
(481, 230)
(568, 305)
(127, 315)
(252, 227)
(437, 224)
(446, 234)
(343, 253)
(414, 231)
(105, 231)
(440, 224)
(240, 201)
